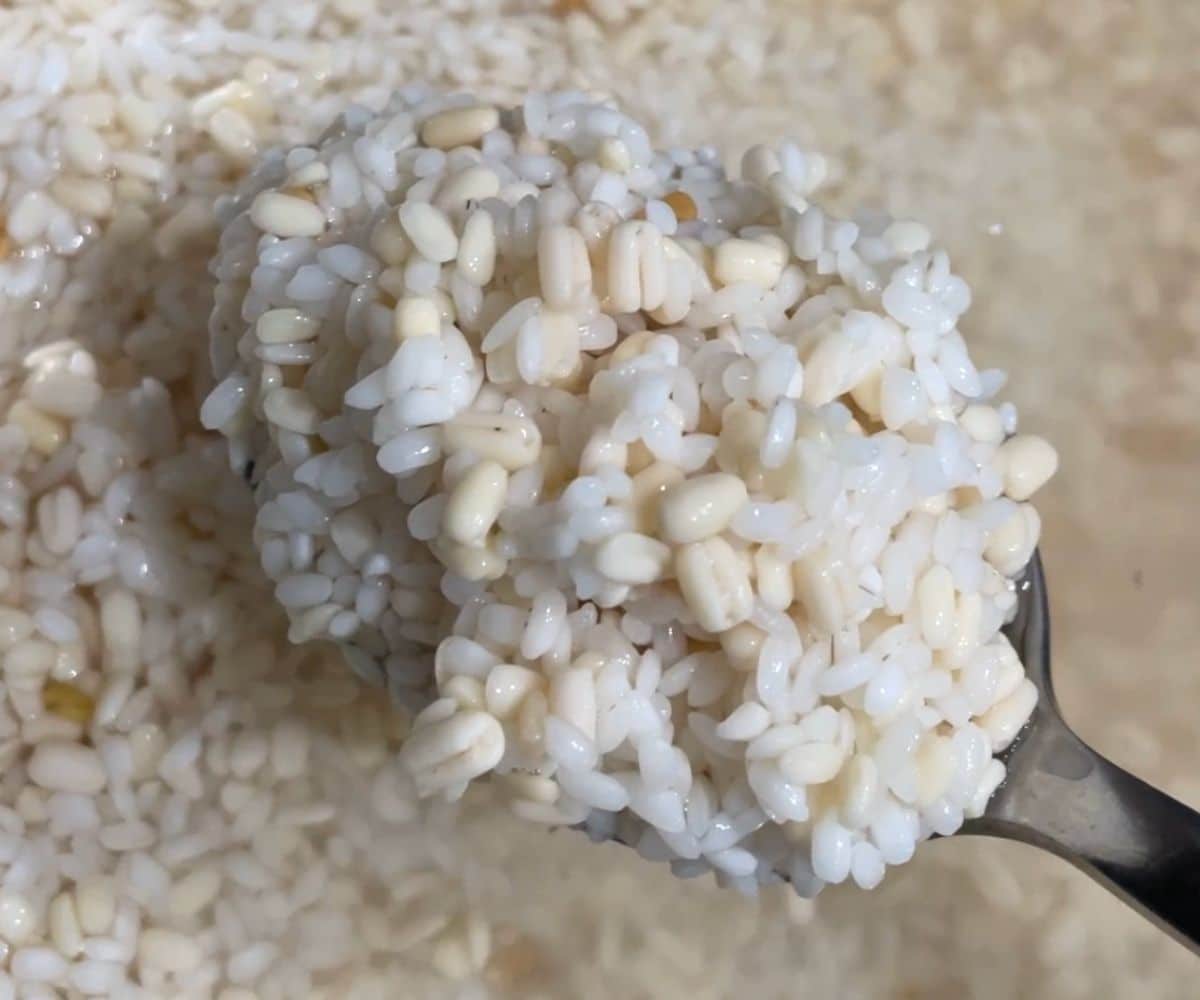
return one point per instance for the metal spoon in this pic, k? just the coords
(1062, 796)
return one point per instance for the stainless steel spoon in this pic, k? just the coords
(1061, 795)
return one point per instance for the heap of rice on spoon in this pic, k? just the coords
(661, 494)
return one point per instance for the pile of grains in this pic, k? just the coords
(682, 494)
(191, 806)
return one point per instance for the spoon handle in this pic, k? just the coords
(1133, 839)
